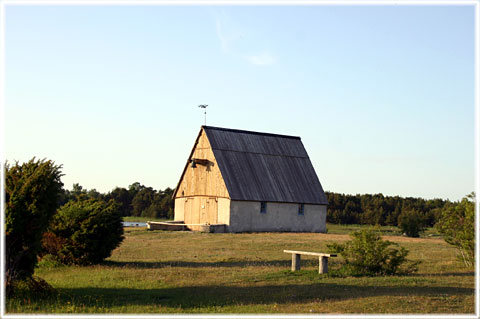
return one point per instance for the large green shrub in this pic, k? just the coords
(411, 222)
(457, 225)
(32, 191)
(368, 255)
(84, 232)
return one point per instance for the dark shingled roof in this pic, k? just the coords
(265, 167)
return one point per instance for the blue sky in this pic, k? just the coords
(382, 96)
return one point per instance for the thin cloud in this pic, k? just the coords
(221, 36)
(264, 58)
(227, 32)
(233, 41)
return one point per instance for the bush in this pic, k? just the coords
(32, 192)
(368, 255)
(84, 232)
(457, 225)
(411, 222)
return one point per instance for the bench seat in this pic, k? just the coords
(322, 259)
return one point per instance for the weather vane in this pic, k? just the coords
(204, 106)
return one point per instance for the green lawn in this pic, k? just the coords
(184, 272)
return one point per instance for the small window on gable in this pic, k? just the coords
(263, 207)
(301, 209)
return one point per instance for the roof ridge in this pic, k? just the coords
(249, 132)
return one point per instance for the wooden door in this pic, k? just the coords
(187, 212)
(208, 210)
(212, 212)
(203, 211)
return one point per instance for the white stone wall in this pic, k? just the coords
(245, 216)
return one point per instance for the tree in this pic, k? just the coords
(349, 212)
(122, 197)
(85, 231)
(94, 194)
(135, 188)
(367, 254)
(142, 200)
(411, 222)
(78, 191)
(167, 203)
(457, 225)
(392, 218)
(32, 193)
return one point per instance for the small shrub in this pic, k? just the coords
(49, 261)
(411, 222)
(368, 255)
(84, 232)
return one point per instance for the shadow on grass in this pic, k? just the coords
(196, 264)
(307, 263)
(197, 297)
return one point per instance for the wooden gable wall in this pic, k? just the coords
(204, 180)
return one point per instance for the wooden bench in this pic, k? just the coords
(322, 259)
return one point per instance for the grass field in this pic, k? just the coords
(184, 272)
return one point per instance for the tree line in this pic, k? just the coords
(136, 200)
(378, 209)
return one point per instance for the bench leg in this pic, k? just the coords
(295, 262)
(322, 265)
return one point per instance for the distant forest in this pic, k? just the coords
(137, 200)
(377, 209)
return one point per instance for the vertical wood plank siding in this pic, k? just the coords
(203, 180)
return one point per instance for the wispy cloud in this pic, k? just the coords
(221, 36)
(233, 41)
(227, 32)
(264, 58)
